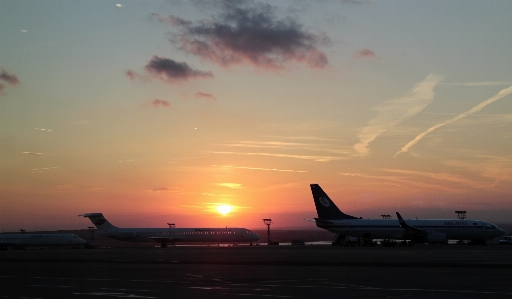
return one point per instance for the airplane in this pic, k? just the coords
(432, 231)
(23, 240)
(170, 235)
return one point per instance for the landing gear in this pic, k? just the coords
(477, 242)
(407, 243)
(338, 240)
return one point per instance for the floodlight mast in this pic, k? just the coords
(268, 222)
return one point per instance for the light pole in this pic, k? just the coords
(268, 222)
(461, 214)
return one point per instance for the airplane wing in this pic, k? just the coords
(322, 221)
(318, 220)
(410, 230)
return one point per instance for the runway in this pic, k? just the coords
(259, 271)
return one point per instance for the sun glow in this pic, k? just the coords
(224, 209)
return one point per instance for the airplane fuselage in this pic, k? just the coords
(22, 240)
(390, 228)
(180, 234)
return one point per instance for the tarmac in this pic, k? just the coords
(260, 271)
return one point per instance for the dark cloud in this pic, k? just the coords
(166, 189)
(11, 79)
(172, 20)
(171, 71)
(205, 96)
(249, 34)
(364, 53)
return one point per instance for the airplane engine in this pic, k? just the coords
(436, 238)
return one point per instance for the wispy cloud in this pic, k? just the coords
(42, 129)
(391, 113)
(333, 149)
(400, 180)
(205, 95)
(496, 83)
(157, 103)
(125, 161)
(446, 177)
(165, 189)
(231, 185)
(32, 153)
(40, 170)
(496, 168)
(268, 144)
(364, 53)
(249, 33)
(259, 168)
(503, 93)
(301, 157)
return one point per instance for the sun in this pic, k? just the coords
(224, 209)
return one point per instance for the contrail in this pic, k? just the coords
(503, 93)
(392, 112)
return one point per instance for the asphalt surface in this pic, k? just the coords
(422, 271)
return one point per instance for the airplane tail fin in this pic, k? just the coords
(99, 221)
(325, 207)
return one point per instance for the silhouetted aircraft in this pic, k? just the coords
(24, 240)
(166, 236)
(425, 230)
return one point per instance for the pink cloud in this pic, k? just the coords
(131, 74)
(205, 96)
(364, 53)
(160, 103)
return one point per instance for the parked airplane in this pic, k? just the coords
(43, 240)
(426, 231)
(170, 235)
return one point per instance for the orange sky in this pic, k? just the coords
(149, 113)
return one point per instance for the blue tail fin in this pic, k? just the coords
(325, 207)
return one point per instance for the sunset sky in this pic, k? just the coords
(160, 111)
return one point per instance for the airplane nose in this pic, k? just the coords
(256, 237)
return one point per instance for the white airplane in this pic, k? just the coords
(23, 240)
(426, 230)
(166, 236)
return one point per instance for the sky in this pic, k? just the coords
(161, 111)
